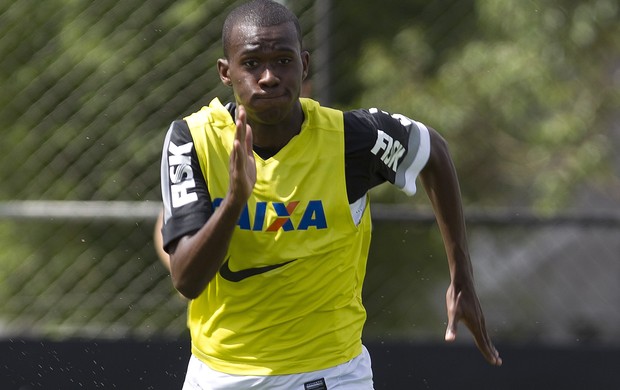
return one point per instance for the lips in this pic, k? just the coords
(259, 100)
(269, 97)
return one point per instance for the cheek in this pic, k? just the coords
(243, 80)
(238, 83)
(242, 88)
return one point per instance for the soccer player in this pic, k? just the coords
(267, 220)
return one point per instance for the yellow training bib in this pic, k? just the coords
(287, 298)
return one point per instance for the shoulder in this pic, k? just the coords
(360, 129)
(178, 132)
(391, 146)
(374, 118)
(213, 115)
(366, 127)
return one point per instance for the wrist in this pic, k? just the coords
(233, 206)
(462, 276)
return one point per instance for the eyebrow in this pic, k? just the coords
(249, 48)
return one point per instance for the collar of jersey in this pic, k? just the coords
(219, 114)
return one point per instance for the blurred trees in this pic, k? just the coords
(526, 92)
(89, 89)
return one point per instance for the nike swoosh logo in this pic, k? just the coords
(237, 276)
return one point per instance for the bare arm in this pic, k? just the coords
(195, 259)
(441, 184)
(158, 241)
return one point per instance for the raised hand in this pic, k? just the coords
(242, 163)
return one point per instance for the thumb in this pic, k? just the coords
(451, 331)
(452, 320)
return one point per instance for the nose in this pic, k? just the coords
(268, 78)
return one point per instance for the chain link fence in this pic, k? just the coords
(88, 91)
(540, 280)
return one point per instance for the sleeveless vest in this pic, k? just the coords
(287, 298)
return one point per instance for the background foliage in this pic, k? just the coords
(526, 92)
(528, 99)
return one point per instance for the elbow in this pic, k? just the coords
(185, 281)
(184, 278)
(188, 288)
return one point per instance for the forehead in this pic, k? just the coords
(249, 37)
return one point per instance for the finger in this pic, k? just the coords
(490, 353)
(477, 326)
(494, 357)
(239, 144)
(241, 123)
(483, 341)
(236, 164)
(453, 320)
(249, 140)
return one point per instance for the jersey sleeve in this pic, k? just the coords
(383, 147)
(186, 199)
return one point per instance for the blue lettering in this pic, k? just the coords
(259, 218)
(244, 219)
(313, 216)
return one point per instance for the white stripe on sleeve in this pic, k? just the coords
(408, 173)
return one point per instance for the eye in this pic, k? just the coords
(250, 63)
(285, 61)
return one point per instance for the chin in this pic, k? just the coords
(271, 118)
(268, 112)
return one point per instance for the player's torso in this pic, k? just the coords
(296, 261)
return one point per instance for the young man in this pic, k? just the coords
(267, 220)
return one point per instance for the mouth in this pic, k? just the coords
(270, 108)
(268, 96)
(270, 99)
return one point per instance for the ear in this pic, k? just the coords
(224, 71)
(305, 60)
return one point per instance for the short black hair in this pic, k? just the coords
(261, 13)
